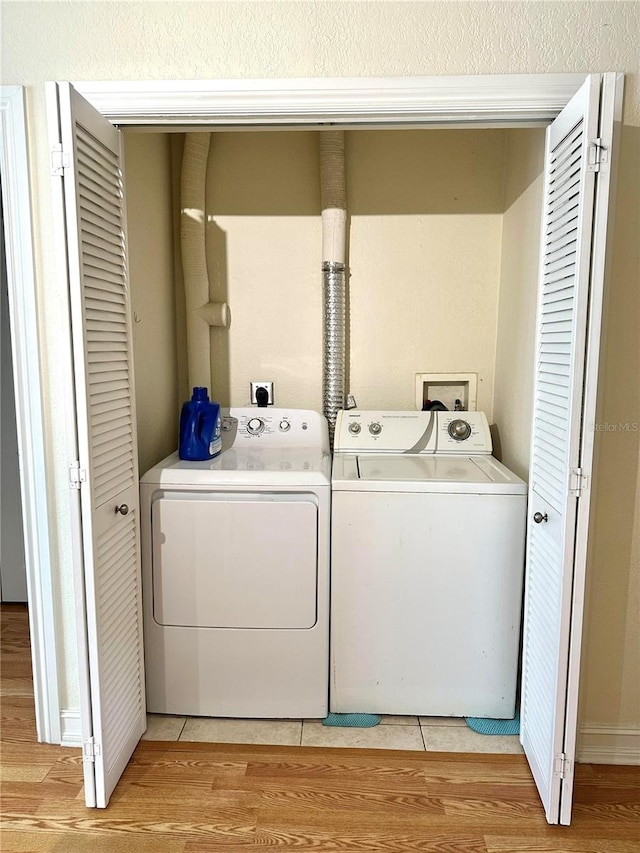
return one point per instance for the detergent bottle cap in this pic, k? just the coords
(201, 394)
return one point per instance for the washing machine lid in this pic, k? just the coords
(247, 467)
(442, 474)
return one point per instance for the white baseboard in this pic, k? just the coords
(70, 728)
(606, 745)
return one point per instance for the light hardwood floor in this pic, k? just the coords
(228, 798)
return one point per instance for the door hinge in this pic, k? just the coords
(561, 766)
(90, 749)
(596, 155)
(577, 482)
(77, 475)
(59, 160)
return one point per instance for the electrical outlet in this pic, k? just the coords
(268, 386)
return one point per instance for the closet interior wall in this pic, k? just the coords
(443, 233)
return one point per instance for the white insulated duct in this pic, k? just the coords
(334, 225)
(201, 313)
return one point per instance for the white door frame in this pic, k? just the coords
(480, 101)
(473, 101)
(29, 421)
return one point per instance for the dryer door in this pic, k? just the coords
(228, 560)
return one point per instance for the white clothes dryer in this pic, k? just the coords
(428, 533)
(235, 557)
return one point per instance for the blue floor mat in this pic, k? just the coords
(358, 721)
(494, 727)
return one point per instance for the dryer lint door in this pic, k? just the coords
(228, 561)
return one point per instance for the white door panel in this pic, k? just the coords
(566, 323)
(95, 232)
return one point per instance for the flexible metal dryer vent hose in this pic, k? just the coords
(334, 349)
(334, 220)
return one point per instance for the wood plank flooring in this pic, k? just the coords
(227, 798)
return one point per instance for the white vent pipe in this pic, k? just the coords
(333, 198)
(202, 314)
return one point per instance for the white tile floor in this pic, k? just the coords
(431, 734)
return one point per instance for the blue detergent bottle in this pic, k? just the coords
(200, 428)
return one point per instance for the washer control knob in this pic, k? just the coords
(459, 430)
(284, 425)
(375, 428)
(255, 426)
(354, 428)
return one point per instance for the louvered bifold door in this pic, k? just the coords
(102, 352)
(557, 424)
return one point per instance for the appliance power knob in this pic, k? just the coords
(284, 425)
(375, 428)
(354, 428)
(459, 430)
(255, 426)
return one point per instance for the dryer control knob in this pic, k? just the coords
(284, 425)
(375, 428)
(459, 429)
(255, 426)
(354, 428)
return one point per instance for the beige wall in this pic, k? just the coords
(111, 41)
(514, 368)
(426, 218)
(425, 223)
(150, 232)
(264, 254)
(611, 680)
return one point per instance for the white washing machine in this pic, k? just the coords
(235, 557)
(428, 533)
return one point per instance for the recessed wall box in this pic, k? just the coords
(447, 387)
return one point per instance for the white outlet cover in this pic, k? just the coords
(269, 389)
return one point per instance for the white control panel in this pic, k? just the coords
(412, 432)
(261, 427)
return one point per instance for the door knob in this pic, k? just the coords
(538, 517)
(123, 509)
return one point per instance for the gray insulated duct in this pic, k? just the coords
(334, 223)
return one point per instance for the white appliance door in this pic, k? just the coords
(227, 560)
(569, 312)
(112, 684)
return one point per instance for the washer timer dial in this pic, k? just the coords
(459, 430)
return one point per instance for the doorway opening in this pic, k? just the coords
(443, 253)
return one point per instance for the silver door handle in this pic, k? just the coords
(538, 517)
(123, 509)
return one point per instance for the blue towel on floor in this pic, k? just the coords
(494, 727)
(358, 721)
